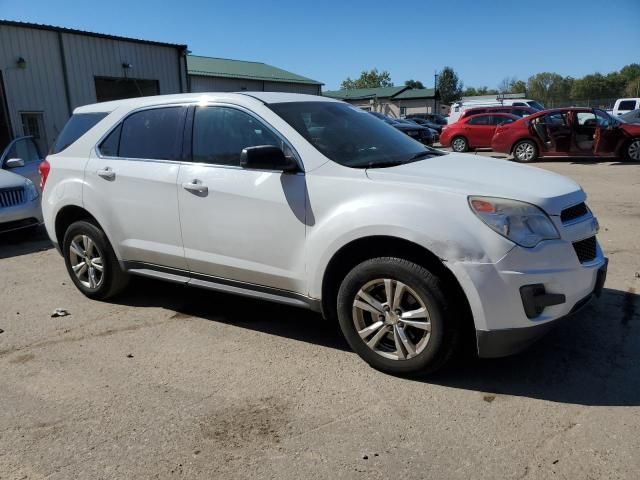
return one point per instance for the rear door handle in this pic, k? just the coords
(107, 173)
(196, 186)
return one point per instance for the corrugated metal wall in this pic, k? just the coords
(40, 86)
(201, 83)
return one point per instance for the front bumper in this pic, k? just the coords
(504, 342)
(20, 216)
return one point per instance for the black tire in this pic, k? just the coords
(459, 144)
(445, 333)
(112, 278)
(525, 151)
(632, 150)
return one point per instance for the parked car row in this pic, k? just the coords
(418, 132)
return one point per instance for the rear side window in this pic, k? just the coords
(77, 126)
(627, 105)
(500, 120)
(151, 134)
(480, 120)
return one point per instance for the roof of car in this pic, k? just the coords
(243, 97)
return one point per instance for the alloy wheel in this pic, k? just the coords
(86, 261)
(391, 319)
(459, 145)
(634, 150)
(525, 152)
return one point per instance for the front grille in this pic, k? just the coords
(585, 249)
(11, 196)
(574, 212)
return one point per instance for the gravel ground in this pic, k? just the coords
(170, 382)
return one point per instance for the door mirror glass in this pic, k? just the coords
(14, 163)
(266, 157)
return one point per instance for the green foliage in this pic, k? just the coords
(548, 87)
(449, 85)
(370, 79)
(414, 84)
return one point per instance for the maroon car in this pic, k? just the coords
(513, 110)
(568, 132)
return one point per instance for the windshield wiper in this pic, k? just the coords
(424, 154)
(388, 163)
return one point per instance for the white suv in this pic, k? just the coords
(311, 202)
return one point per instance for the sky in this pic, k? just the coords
(483, 40)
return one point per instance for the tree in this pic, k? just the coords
(549, 88)
(519, 86)
(414, 84)
(630, 72)
(449, 85)
(506, 84)
(633, 88)
(370, 79)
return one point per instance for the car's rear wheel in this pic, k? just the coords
(633, 150)
(459, 144)
(91, 262)
(395, 315)
(525, 151)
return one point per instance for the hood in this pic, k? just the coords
(9, 179)
(475, 175)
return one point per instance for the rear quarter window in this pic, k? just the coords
(76, 127)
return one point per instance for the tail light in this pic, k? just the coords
(44, 168)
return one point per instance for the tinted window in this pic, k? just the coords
(480, 120)
(349, 136)
(604, 119)
(77, 126)
(475, 111)
(627, 105)
(152, 134)
(536, 105)
(109, 146)
(519, 104)
(555, 118)
(499, 120)
(220, 134)
(24, 149)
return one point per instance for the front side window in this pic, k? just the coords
(76, 127)
(349, 136)
(221, 133)
(152, 134)
(24, 149)
(605, 120)
(627, 105)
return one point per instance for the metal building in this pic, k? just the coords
(46, 71)
(207, 74)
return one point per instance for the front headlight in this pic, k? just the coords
(31, 190)
(520, 222)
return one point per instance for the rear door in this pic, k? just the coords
(478, 129)
(130, 184)
(554, 132)
(25, 149)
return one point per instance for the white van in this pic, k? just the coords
(624, 105)
(490, 101)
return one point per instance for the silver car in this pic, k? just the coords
(19, 195)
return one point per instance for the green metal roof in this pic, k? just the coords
(357, 93)
(224, 67)
(416, 93)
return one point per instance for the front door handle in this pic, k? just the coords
(107, 173)
(196, 186)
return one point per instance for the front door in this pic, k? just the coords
(239, 224)
(130, 184)
(26, 150)
(607, 135)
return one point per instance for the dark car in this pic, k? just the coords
(518, 111)
(426, 123)
(436, 118)
(568, 132)
(422, 134)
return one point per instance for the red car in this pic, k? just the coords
(473, 132)
(517, 111)
(568, 132)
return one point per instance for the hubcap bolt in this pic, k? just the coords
(386, 308)
(398, 312)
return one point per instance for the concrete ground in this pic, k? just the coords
(170, 382)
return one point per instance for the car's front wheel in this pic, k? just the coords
(395, 315)
(459, 144)
(633, 150)
(91, 262)
(525, 151)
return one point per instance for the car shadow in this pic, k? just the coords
(591, 359)
(23, 242)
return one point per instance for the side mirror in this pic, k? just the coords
(267, 157)
(14, 163)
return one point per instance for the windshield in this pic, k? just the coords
(536, 105)
(350, 136)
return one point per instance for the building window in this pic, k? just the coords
(108, 88)
(33, 125)
(403, 111)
